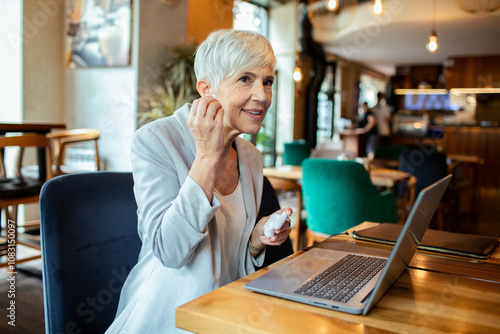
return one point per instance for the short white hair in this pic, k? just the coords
(226, 52)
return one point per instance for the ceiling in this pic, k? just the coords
(400, 34)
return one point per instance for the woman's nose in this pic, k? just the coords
(260, 92)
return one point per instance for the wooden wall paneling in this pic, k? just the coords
(481, 141)
(473, 72)
(491, 177)
(454, 140)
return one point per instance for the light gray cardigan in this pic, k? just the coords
(180, 254)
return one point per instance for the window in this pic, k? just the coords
(11, 61)
(325, 121)
(248, 16)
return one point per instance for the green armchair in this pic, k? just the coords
(338, 195)
(295, 152)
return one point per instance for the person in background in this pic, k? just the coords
(368, 127)
(383, 119)
(198, 186)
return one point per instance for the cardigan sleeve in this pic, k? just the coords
(173, 209)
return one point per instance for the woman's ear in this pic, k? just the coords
(203, 88)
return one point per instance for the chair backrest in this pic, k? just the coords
(268, 206)
(389, 152)
(64, 138)
(427, 164)
(26, 186)
(89, 244)
(295, 152)
(23, 141)
(338, 195)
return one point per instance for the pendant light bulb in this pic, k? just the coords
(377, 7)
(331, 5)
(297, 74)
(433, 45)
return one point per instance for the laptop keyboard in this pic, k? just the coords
(344, 279)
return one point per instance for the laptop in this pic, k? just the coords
(326, 278)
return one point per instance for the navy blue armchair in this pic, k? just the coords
(89, 245)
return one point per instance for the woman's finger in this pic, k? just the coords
(194, 107)
(213, 109)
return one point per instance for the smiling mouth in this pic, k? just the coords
(253, 112)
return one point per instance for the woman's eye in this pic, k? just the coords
(268, 83)
(245, 79)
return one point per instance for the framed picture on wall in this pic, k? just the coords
(98, 33)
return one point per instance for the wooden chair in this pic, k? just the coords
(62, 139)
(19, 189)
(407, 199)
(284, 185)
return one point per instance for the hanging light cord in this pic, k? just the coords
(434, 10)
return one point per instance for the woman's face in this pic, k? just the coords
(245, 98)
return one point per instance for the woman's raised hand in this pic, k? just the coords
(206, 124)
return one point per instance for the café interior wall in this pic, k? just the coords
(205, 16)
(43, 56)
(102, 98)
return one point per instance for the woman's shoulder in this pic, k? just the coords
(168, 126)
(171, 133)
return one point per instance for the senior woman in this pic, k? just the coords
(198, 186)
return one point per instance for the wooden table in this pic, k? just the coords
(293, 173)
(436, 294)
(388, 178)
(30, 127)
(35, 127)
(380, 177)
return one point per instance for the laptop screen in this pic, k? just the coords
(412, 233)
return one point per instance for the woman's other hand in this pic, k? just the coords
(259, 240)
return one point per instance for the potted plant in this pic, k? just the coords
(175, 87)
